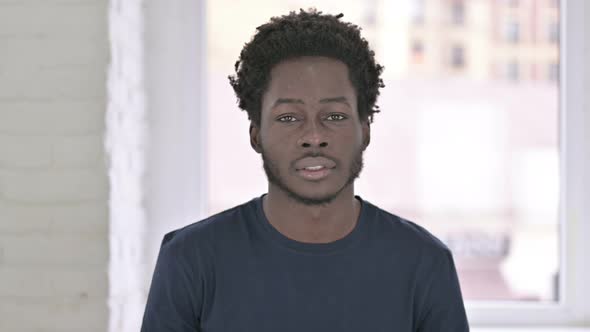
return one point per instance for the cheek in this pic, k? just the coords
(353, 139)
(276, 149)
(277, 142)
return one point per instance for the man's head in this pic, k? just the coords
(306, 33)
(309, 83)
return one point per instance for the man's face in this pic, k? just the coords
(310, 135)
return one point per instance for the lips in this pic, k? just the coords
(314, 175)
(314, 164)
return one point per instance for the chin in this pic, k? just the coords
(314, 194)
(312, 200)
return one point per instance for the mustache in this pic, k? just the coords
(316, 155)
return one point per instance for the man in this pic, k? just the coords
(309, 255)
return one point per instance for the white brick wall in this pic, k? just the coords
(53, 176)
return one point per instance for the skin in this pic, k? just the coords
(310, 109)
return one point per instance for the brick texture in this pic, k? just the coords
(54, 246)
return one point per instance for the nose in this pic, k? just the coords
(313, 136)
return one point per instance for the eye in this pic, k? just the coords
(336, 117)
(287, 118)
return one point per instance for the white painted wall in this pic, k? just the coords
(155, 138)
(53, 175)
(126, 145)
(176, 176)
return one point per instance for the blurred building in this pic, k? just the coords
(515, 40)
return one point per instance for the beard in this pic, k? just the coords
(274, 176)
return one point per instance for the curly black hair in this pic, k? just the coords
(307, 33)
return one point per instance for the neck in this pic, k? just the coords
(312, 223)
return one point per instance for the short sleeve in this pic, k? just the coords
(174, 298)
(441, 303)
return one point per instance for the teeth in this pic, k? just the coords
(314, 168)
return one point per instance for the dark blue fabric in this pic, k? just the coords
(235, 272)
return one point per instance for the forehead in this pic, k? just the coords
(310, 77)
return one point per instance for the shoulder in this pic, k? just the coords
(427, 255)
(204, 232)
(408, 235)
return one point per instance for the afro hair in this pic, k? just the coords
(307, 33)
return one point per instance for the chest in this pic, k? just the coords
(310, 293)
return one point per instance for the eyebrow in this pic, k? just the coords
(287, 101)
(341, 100)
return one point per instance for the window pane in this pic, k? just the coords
(512, 32)
(457, 57)
(457, 12)
(466, 143)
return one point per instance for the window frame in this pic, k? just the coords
(574, 215)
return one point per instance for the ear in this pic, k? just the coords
(255, 137)
(366, 134)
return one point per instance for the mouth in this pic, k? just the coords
(314, 173)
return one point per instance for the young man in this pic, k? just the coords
(309, 255)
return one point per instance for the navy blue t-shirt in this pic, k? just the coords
(235, 272)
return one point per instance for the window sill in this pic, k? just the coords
(530, 329)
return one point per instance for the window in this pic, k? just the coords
(370, 14)
(553, 72)
(553, 32)
(512, 71)
(457, 57)
(417, 51)
(437, 136)
(512, 32)
(417, 12)
(457, 12)
(477, 170)
(512, 3)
